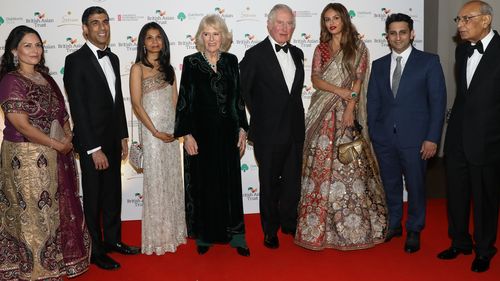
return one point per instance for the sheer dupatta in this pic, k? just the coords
(75, 238)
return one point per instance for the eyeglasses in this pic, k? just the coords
(465, 19)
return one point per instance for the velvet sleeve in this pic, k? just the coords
(239, 102)
(184, 123)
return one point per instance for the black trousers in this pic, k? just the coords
(280, 168)
(481, 184)
(102, 195)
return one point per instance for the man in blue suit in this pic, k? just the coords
(406, 104)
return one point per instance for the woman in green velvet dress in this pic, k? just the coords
(211, 118)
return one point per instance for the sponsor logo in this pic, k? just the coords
(244, 167)
(181, 16)
(249, 41)
(382, 15)
(130, 44)
(69, 19)
(251, 193)
(188, 42)
(160, 17)
(136, 200)
(11, 20)
(39, 20)
(247, 15)
(61, 70)
(222, 13)
(71, 44)
(382, 41)
(352, 13)
(307, 91)
(129, 17)
(305, 14)
(47, 46)
(305, 41)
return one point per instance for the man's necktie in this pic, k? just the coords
(101, 54)
(284, 47)
(478, 47)
(396, 76)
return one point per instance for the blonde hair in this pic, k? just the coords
(218, 24)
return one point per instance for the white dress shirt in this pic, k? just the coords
(474, 60)
(404, 58)
(107, 68)
(286, 63)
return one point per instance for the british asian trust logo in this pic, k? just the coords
(306, 41)
(307, 91)
(70, 44)
(383, 14)
(161, 17)
(188, 42)
(47, 46)
(251, 193)
(222, 12)
(248, 41)
(136, 200)
(39, 19)
(130, 44)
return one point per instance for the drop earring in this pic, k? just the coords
(16, 61)
(144, 48)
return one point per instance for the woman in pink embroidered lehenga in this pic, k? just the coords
(341, 206)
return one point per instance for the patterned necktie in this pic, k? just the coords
(396, 76)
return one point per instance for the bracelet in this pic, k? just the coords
(50, 143)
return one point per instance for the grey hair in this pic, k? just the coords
(218, 23)
(279, 7)
(486, 8)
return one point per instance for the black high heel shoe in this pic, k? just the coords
(202, 249)
(243, 251)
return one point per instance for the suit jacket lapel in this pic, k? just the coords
(270, 56)
(298, 66)
(99, 70)
(386, 74)
(485, 64)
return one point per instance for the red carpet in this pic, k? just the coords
(290, 262)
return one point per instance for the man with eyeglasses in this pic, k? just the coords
(472, 145)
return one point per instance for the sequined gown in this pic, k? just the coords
(163, 219)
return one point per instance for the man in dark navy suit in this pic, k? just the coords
(406, 104)
(272, 77)
(472, 145)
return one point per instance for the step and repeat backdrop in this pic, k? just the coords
(59, 24)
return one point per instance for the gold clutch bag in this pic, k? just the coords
(350, 151)
(56, 131)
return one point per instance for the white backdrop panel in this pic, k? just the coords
(58, 22)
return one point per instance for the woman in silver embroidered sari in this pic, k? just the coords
(342, 206)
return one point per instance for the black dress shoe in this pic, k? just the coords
(412, 243)
(452, 253)
(271, 241)
(104, 262)
(243, 251)
(202, 249)
(122, 248)
(480, 264)
(393, 232)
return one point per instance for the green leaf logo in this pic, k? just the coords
(352, 13)
(244, 167)
(62, 70)
(181, 16)
(1, 21)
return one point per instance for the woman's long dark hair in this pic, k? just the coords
(16, 35)
(163, 59)
(349, 40)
